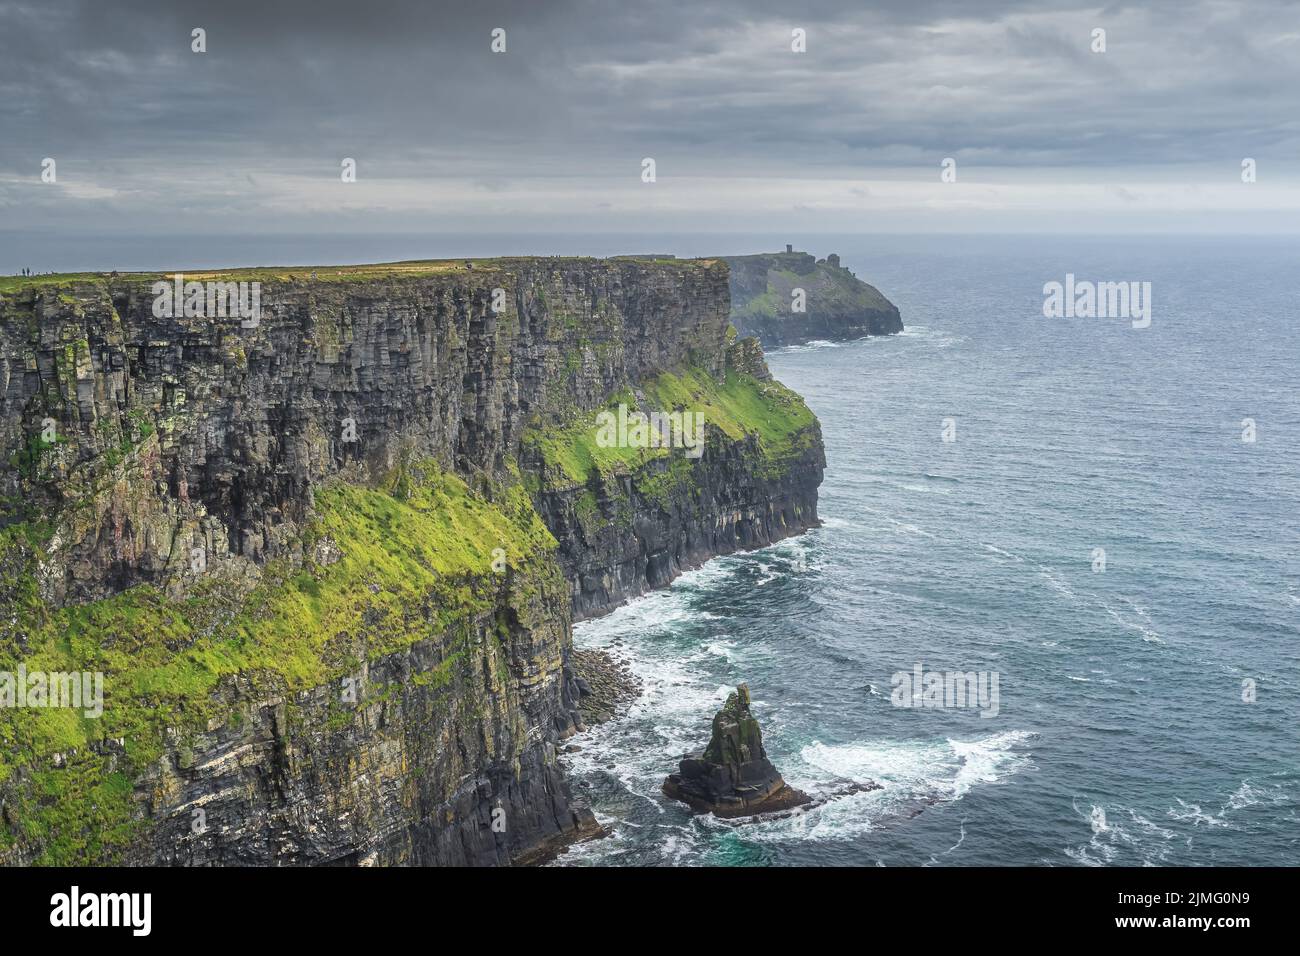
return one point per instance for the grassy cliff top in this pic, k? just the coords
(415, 268)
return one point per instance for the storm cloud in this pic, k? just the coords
(446, 134)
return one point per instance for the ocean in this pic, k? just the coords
(1095, 532)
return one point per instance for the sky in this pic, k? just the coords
(150, 138)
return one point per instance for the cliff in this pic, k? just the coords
(836, 304)
(327, 562)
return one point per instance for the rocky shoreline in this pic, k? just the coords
(606, 686)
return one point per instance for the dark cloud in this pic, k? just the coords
(708, 87)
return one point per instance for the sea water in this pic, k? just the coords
(1095, 530)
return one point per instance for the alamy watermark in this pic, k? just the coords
(84, 690)
(1083, 299)
(948, 689)
(656, 430)
(130, 910)
(211, 300)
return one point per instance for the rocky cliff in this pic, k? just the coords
(327, 561)
(835, 305)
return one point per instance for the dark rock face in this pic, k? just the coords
(183, 432)
(644, 543)
(733, 777)
(418, 778)
(837, 305)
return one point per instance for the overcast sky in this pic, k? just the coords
(248, 138)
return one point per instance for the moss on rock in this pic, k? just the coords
(401, 570)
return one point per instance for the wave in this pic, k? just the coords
(994, 549)
(912, 775)
(1142, 626)
(1056, 584)
(936, 337)
(723, 649)
(1193, 814)
(901, 525)
(913, 770)
(813, 345)
(1120, 833)
(1249, 795)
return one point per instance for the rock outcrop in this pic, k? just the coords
(733, 777)
(327, 562)
(837, 305)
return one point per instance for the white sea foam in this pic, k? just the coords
(924, 489)
(1118, 835)
(1141, 627)
(915, 770)
(994, 549)
(929, 336)
(813, 345)
(1249, 795)
(1192, 813)
(723, 649)
(912, 774)
(1056, 584)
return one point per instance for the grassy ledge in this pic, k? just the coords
(740, 407)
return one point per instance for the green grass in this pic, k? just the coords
(829, 290)
(416, 563)
(739, 407)
(58, 279)
(324, 273)
(570, 451)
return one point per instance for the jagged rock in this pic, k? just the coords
(733, 777)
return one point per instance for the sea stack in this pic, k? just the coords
(733, 777)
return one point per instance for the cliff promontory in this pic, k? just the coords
(322, 564)
(787, 298)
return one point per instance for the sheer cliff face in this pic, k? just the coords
(328, 564)
(836, 305)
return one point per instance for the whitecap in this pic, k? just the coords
(1056, 584)
(1120, 829)
(1148, 633)
(994, 549)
